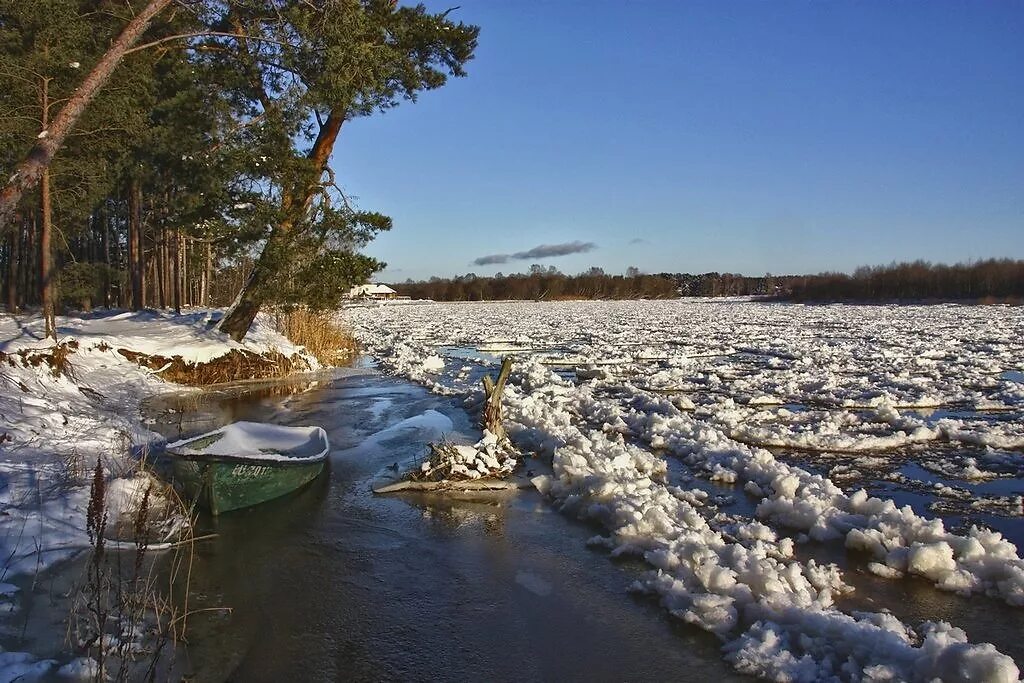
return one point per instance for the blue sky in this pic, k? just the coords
(752, 137)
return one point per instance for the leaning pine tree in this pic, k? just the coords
(303, 70)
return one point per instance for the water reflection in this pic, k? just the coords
(334, 583)
(462, 515)
(179, 414)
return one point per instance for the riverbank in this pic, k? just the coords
(67, 405)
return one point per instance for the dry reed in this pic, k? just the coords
(319, 332)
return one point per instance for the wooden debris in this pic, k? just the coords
(447, 485)
(491, 418)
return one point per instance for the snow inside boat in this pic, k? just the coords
(247, 463)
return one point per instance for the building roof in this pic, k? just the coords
(371, 290)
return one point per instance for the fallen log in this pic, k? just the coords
(469, 485)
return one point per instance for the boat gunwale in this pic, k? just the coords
(250, 459)
(179, 449)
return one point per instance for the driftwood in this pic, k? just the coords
(447, 485)
(441, 460)
(491, 418)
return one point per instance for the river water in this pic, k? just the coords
(335, 583)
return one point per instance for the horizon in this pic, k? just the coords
(640, 271)
(743, 138)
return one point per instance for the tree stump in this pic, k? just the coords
(491, 418)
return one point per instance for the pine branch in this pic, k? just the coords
(207, 34)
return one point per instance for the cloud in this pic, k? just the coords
(490, 260)
(539, 252)
(638, 240)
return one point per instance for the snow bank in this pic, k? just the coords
(54, 428)
(156, 333)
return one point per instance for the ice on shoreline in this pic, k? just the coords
(818, 378)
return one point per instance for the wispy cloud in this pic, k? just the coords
(542, 251)
(491, 260)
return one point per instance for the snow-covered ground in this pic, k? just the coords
(797, 407)
(56, 423)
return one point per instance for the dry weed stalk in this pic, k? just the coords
(125, 615)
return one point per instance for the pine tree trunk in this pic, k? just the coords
(118, 262)
(295, 205)
(204, 294)
(30, 171)
(257, 288)
(135, 258)
(151, 276)
(12, 271)
(28, 261)
(161, 270)
(46, 257)
(104, 226)
(177, 272)
(46, 210)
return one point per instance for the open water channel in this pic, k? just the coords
(335, 583)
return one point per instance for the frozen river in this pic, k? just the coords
(832, 490)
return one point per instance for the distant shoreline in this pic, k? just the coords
(994, 281)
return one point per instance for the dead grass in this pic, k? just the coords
(238, 364)
(54, 357)
(124, 614)
(320, 333)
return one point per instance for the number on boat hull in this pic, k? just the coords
(250, 471)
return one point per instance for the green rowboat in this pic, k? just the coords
(246, 463)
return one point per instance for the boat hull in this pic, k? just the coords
(222, 485)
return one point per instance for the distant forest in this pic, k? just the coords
(994, 280)
(542, 283)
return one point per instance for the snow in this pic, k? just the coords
(81, 669)
(489, 457)
(189, 336)
(22, 666)
(54, 427)
(710, 385)
(258, 441)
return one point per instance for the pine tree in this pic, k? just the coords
(29, 171)
(342, 60)
(205, 150)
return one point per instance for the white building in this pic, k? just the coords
(372, 291)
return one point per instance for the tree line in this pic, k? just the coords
(714, 284)
(542, 284)
(167, 153)
(989, 280)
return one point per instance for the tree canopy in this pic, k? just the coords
(205, 149)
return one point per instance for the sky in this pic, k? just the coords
(689, 136)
